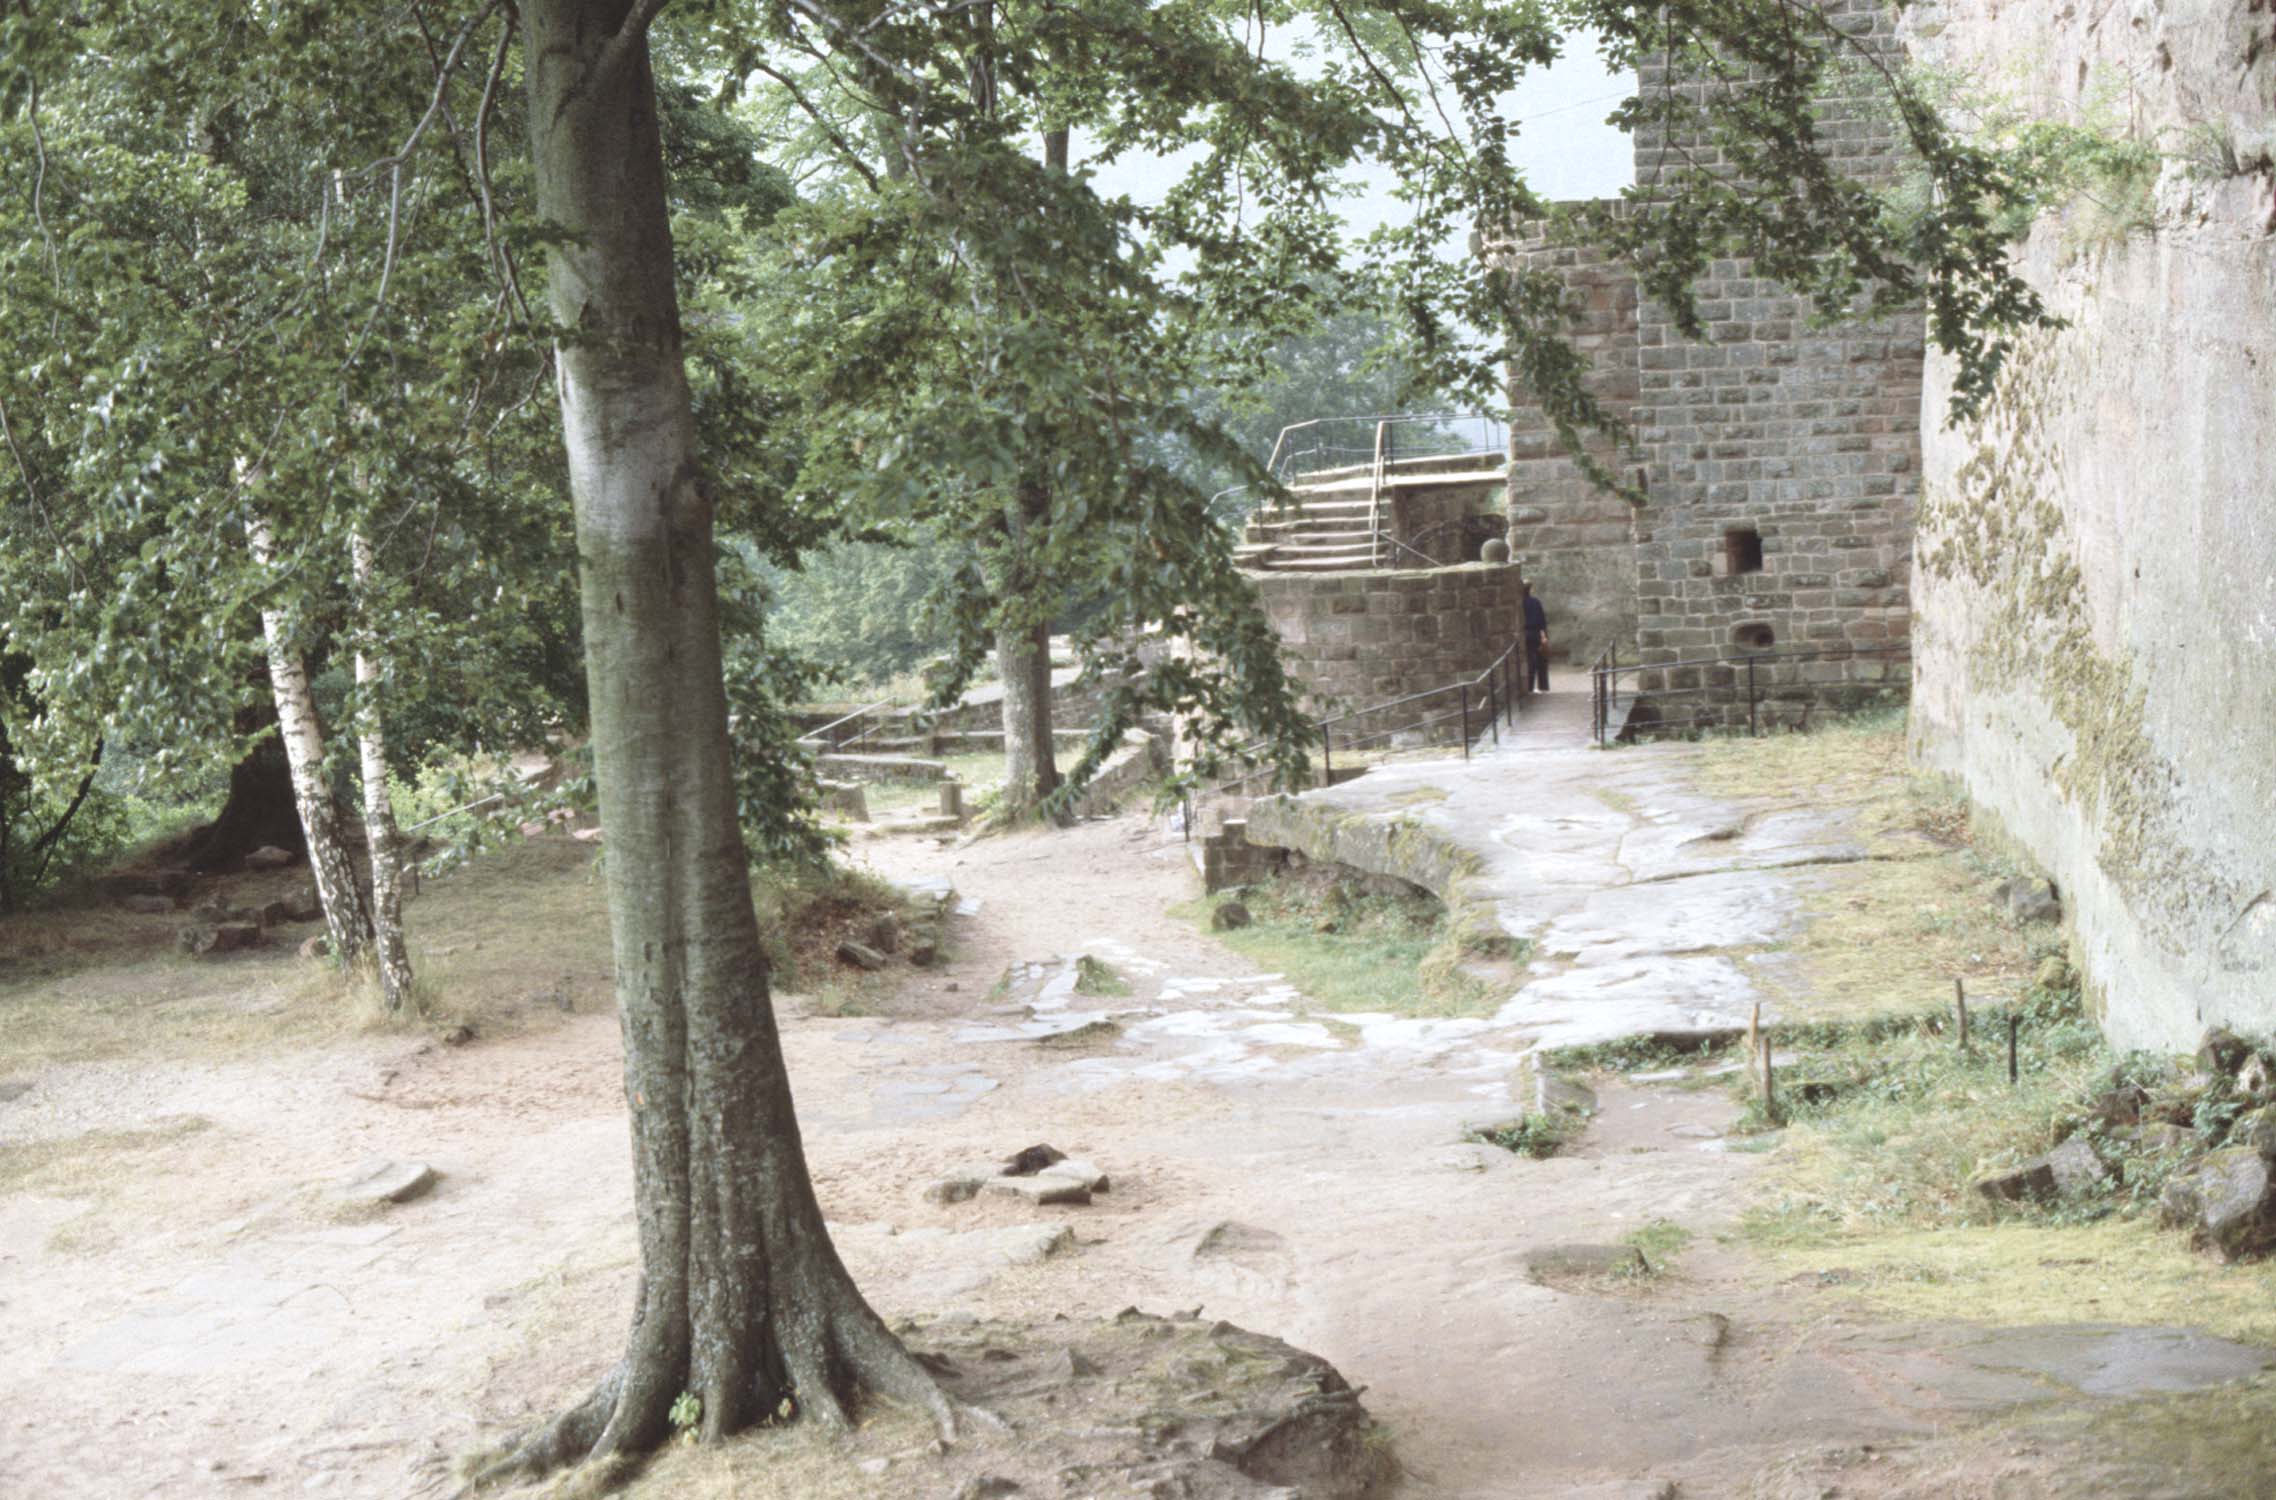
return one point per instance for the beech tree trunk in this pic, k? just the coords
(389, 951)
(346, 922)
(742, 1300)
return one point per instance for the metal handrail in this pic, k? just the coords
(818, 734)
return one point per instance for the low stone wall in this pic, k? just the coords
(1141, 758)
(879, 768)
(1355, 639)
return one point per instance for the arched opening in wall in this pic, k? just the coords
(1742, 550)
(1754, 637)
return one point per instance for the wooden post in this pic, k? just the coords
(2011, 1075)
(1960, 1003)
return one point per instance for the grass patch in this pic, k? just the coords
(1658, 1242)
(1539, 1136)
(74, 1164)
(1348, 948)
(1868, 1191)
(1095, 976)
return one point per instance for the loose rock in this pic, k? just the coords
(382, 1181)
(149, 906)
(2221, 1052)
(2033, 1180)
(1032, 1160)
(2228, 1204)
(2031, 900)
(986, 1487)
(220, 937)
(2077, 1169)
(860, 955)
(270, 857)
(1228, 916)
(1040, 1190)
(1092, 1179)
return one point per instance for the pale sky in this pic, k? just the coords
(1563, 146)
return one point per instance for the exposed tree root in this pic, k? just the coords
(606, 1436)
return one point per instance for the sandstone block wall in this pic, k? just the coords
(1780, 458)
(2096, 586)
(1356, 639)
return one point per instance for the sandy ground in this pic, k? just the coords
(201, 1320)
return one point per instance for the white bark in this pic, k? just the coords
(388, 946)
(345, 920)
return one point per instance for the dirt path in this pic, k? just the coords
(199, 1319)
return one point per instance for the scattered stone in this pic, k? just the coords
(533, 828)
(1551, 1262)
(149, 906)
(12, 1089)
(586, 835)
(873, 1467)
(2227, 1202)
(316, 945)
(1090, 1033)
(303, 904)
(924, 952)
(986, 1487)
(1668, 1075)
(2256, 1079)
(2221, 1052)
(273, 913)
(1228, 916)
(1229, 1239)
(1696, 1132)
(2256, 1131)
(270, 857)
(885, 932)
(382, 1181)
(1074, 1170)
(220, 937)
(2035, 1179)
(2119, 1106)
(951, 987)
(1032, 1160)
(2161, 1138)
(213, 913)
(2031, 900)
(2077, 1169)
(860, 955)
(1042, 1190)
(960, 1185)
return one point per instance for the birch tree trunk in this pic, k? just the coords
(742, 1300)
(346, 922)
(392, 955)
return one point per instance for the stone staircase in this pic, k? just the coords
(1330, 527)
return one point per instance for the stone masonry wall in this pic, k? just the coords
(1804, 438)
(2096, 589)
(1574, 538)
(1355, 639)
(1780, 458)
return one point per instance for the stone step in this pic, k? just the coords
(1403, 483)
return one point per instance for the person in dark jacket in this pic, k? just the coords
(1537, 640)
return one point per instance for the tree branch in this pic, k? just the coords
(629, 38)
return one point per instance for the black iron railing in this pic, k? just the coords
(1713, 690)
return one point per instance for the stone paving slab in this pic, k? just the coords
(1631, 884)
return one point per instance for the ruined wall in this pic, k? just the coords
(1575, 538)
(1782, 457)
(2096, 586)
(1354, 639)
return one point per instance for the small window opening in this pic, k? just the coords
(1742, 550)
(1757, 636)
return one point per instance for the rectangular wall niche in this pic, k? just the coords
(1742, 550)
